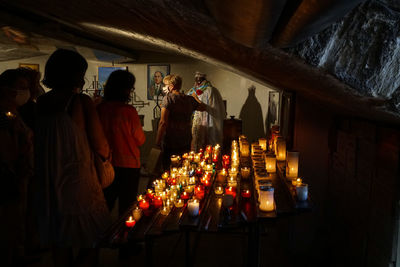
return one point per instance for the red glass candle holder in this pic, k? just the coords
(149, 194)
(245, 193)
(130, 222)
(157, 202)
(144, 204)
(230, 191)
(185, 195)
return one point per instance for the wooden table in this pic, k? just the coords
(244, 217)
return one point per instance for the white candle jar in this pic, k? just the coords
(270, 163)
(263, 143)
(266, 198)
(302, 192)
(292, 164)
(281, 149)
(193, 207)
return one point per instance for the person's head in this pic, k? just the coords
(33, 78)
(14, 89)
(65, 69)
(119, 85)
(172, 82)
(199, 77)
(158, 77)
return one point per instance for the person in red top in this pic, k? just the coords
(125, 135)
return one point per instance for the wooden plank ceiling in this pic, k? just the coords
(243, 36)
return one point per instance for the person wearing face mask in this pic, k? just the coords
(16, 167)
(207, 127)
(174, 129)
(27, 102)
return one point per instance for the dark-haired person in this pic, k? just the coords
(71, 208)
(16, 168)
(125, 135)
(174, 130)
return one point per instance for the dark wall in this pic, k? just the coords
(352, 168)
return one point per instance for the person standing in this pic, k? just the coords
(207, 127)
(71, 207)
(125, 135)
(16, 166)
(174, 130)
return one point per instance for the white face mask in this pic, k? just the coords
(22, 97)
(165, 89)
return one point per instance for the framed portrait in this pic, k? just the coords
(104, 72)
(155, 76)
(29, 65)
(274, 103)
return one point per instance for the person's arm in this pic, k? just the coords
(162, 126)
(201, 106)
(94, 129)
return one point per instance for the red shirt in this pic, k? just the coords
(124, 133)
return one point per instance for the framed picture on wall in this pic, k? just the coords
(29, 65)
(104, 72)
(155, 76)
(274, 103)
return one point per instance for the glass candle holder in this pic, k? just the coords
(144, 204)
(130, 222)
(157, 202)
(232, 181)
(185, 196)
(292, 164)
(302, 192)
(230, 190)
(270, 163)
(165, 175)
(245, 193)
(175, 161)
(179, 203)
(189, 189)
(221, 176)
(137, 213)
(165, 210)
(219, 190)
(245, 172)
(193, 207)
(280, 149)
(245, 149)
(263, 143)
(266, 198)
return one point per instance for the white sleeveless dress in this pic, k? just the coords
(72, 210)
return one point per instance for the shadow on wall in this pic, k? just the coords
(252, 117)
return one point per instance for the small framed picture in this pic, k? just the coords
(155, 76)
(30, 66)
(104, 72)
(274, 103)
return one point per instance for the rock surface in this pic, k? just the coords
(362, 50)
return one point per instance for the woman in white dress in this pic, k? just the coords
(72, 210)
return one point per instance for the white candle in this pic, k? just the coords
(193, 207)
(263, 143)
(280, 149)
(137, 213)
(266, 198)
(270, 163)
(292, 164)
